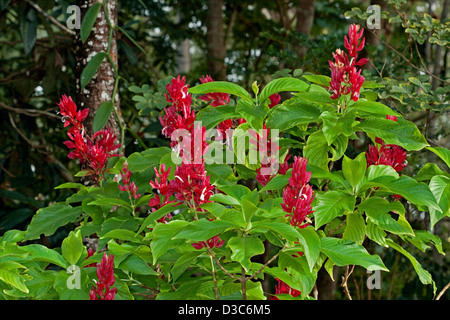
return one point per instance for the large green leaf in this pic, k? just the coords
(355, 228)
(13, 278)
(316, 150)
(291, 113)
(245, 248)
(38, 252)
(417, 193)
(443, 153)
(335, 124)
(440, 187)
(354, 170)
(424, 275)
(330, 205)
(72, 247)
(311, 244)
(47, 220)
(346, 252)
(212, 116)
(403, 133)
(162, 237)
(202, 229)
(377, 210)
(280, 85)
(365, 109)
(221, 86)
(140, 161)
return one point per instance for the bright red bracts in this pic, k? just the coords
(298, 194)
(106, 279)
(345, 78)
(92, 152)
(128, 186)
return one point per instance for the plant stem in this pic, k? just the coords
(213, 271)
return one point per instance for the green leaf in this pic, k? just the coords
(184, 262)
(316, 150)
(162, 237)
(212, 116)
(62, 279)
(375, 233)
(403, 133)
(335, 124)
(281, 85)
(318, 79)
(37, 252)
(298, 268)
(72, 247)
(366, 109)
(245, 248)
(287, 231)
(47, 220)
(237, 191)
(377, 210)
(440, 188)
(354, 170)
(202, 229)
(276, 183)
(135, 264)
(413, 191)
(89, 20)
(424, 275)
(221, 86)
(140, 161)
(443, 153)
(102, 115)
(28, 29)
(158, 214)
(123, 235)
(292, 113)
(91, 68)
(355, 228)
(330, 205)
(111, 202)
(346, 252)
(311, 244)
(253, 114)
(72, 185)
(14, 279)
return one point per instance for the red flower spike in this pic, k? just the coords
(274, 100)
(106, 279)
(298, 194)
(92, 152)
(214, 242)
(345, 78)
(163, 193)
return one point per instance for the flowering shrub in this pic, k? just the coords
(186, 223)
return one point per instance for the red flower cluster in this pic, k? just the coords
(179, 114)
(214, 242)
(387, 154)
(131, 188)
(298, 194)
(274, 100)
(92, 152)
(345, 78)
(162, 197)
(283, 288)
(191, 185)
(105, 274)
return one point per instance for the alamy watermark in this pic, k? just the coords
(374, 20)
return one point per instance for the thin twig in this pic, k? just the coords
(344, 285)
(220, 265)
(443, 291)
(30, 112)
(52, 19)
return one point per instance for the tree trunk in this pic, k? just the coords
(215, 40)
(305, 20)
(101, 87)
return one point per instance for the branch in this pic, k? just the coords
(29, 112)
(348, 272)
(443, 290)
(52, 19)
